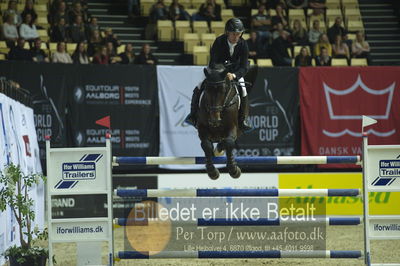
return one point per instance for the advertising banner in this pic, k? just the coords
(333, 101)
(122, 99)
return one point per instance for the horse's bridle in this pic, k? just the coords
(227, 103)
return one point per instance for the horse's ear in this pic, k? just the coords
(206, 72)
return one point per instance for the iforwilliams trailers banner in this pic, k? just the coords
(120, 98)
(273, 114)
(333, 101)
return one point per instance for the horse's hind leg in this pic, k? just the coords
(219, 150)
(233, 169)
(207, 147)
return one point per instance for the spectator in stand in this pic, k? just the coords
(159, 11)
(54, 6)
(10, 32)
(18, 52)
(279, 18)
(59, 32)
(76, 31)
(346, 40)
(133, 8)
(177, 11)
(92, 26)
(112, 53)
(29, 9)
(279, 53)
(12, 10)
(297, 4)
(255, 47)
(315, 15)
(95, 43)
(299, 34)
(146, 57)
(277, 32)
(110, 37)
(324, 59)
(204, 9)
(272, 4)
(27, 30)
(61, 56)
(60, 13)
(323, 42)
(360, 47)
(314, 34)
(318, 6)
(101, 57)
(335, 30)
(261, 23)
(80, 55)
(38, 54)
(128, 56)
(303, 58)
(340, 48)
(77, 11)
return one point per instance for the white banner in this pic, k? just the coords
(18, 145)
(175, 88)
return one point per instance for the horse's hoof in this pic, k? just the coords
(213, 174)
(236, 173)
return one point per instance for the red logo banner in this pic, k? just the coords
(333, 100)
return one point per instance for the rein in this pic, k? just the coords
(227, 102)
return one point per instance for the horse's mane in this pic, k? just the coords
(215, 73)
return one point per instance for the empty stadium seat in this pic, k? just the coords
(339, 62)
(226, 14)
(181, 27)
(217, 27)
(121, 49)
(3, 47)
(332, 4)
(2, 57)
(197, 3)
(349, 3)
(264, 62)
(200, 27)
(359, 62)
(71, 48)
(207, 39)
(145, 6)
(246, 36)
(189, 41)
(165, 30)
(43, 35)
(200, 55)
(352, 13)
(355, 25)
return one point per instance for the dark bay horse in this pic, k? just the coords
(218, 119)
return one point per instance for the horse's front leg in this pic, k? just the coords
(207, 147)
(233, 169)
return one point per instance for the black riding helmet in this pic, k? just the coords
(234, 25)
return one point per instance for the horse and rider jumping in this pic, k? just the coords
(221, 115)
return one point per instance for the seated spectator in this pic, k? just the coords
(59, 32)
(10, 32)
(61, 56)
(279, 18)
(303, 59)
(80, 56)
(299, 34)
(323, 42)
(255, 47)
(77, 11)
(60, 13)
(324, 59)
(76, 31)
(346, 40)
(272, 4)
(261, 23)
(27, 30)
(340, 48)
(360, 47)
(177, 11)
(29, 9)
(111, 37)
(101, 57)
(277, 32)
(133, 8)
(297, 4)
(146, 57)
(314, 33)
(38, 54)
(54, 6)
(315, 15)
(112, 53)
(203, 10)
(95, 43)
(12, 10)
(158, 11)
(92, 26)
(279, 53)
(317, 5)
(18, 52)
(335, 30)
(128, 56)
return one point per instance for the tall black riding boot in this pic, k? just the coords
(194, 106)
(243, 114)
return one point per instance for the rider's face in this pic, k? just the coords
(234, 37)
